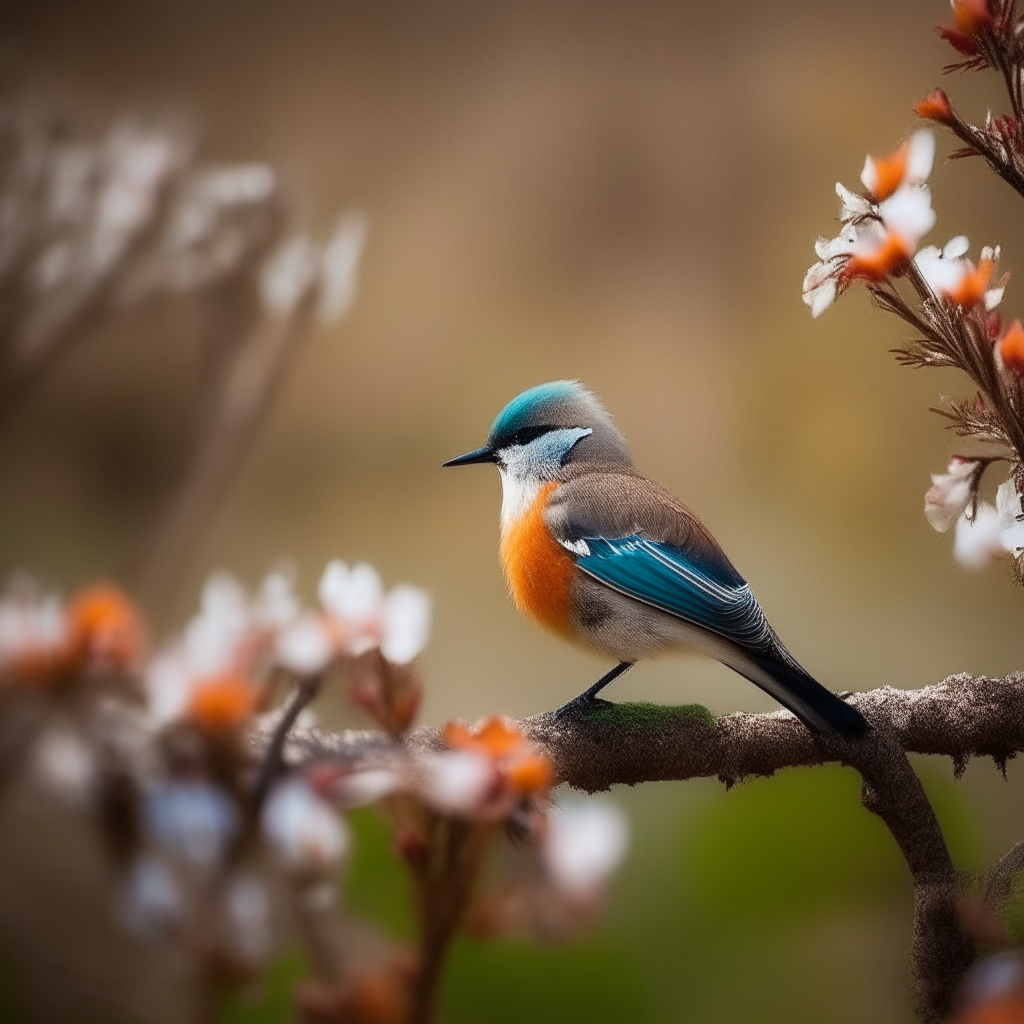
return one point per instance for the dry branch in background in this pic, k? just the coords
(97, 220)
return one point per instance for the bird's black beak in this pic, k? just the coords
(485, 454)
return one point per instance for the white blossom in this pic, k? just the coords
(994, 532)
(64, 763)
(950, 494)
(918, 155)
(457, 782)
(288, 274)
(353, 595)
(302, 828)
(366, 787)
(276, 604)
(819, 289)
(213, 636)
(854, 204)
(168, 683)
(193, 820)
(305, 647)
(908, 212)
(584, 844)
(339, 266)
(405, 625)
(943, 269)
(1008, 508)
(977, 541)
(30, 625)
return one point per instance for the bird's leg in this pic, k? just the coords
(589, 697)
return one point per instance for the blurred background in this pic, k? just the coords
(623, 193)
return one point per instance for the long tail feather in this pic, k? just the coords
(818, 708)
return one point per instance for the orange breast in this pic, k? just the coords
(538, 569)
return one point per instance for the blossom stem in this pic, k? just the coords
(443, 895)
(270, 767)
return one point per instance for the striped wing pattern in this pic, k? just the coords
(666, 577)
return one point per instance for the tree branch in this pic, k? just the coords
(962, 717)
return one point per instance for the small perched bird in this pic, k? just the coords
(612, 561)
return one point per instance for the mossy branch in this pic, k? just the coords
(962, 717)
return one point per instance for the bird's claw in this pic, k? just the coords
(581, 705)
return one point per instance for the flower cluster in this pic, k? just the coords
(216, 672)
(881, 228)
(951, 301)
(984, 532)
(222, 845)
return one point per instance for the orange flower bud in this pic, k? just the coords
(494, 736)
(1011, 347)
(531, 773)
(971, 16)
(889, 172)
(935, 107)
(878, 265)
(222, 703)
(106, 631)
(970, 289)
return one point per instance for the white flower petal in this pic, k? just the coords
(213, 636)
(979, 542)
(406, 623)
(352, 595)
(192, 820)
(908, 212)
(956, 247)
(364, 594)
(302, 828)
(950, 493)
(854, 205)
(584, 844)
(921, 155)
(363, 788)
(1008, 503)
(168, 684)
(869, 175)
(305, 648)
(993, 297)
(288, 274)
(276, 603)
(333, 586)
(339, 266)
(457, 782)
(64, 763)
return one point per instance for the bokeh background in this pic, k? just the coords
(623, 193)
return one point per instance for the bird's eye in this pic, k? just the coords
(524, 435)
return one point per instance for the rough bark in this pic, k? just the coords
(964, 716)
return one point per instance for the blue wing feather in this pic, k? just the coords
(709, 593)
(714, 597)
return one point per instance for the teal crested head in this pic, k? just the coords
(547, 425)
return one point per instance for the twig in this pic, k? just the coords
(270, 766)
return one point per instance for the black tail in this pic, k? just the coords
(819, 709)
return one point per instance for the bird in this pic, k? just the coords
(612, 561)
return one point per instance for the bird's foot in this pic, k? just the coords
(581, 705)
